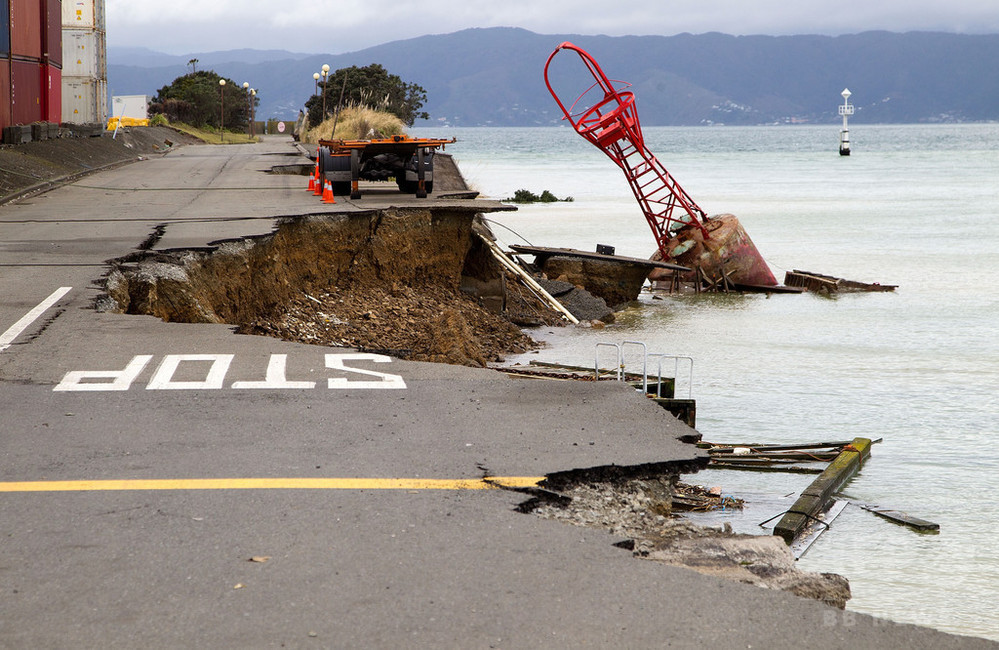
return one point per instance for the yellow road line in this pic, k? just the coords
(490, 483)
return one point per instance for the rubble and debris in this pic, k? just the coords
(644, 512)
(422, 323)
(800, 458)
(697, 498)
(617, 279)
(584, 305)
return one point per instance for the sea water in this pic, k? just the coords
(914, 206)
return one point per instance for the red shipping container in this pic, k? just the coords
(52, 34)
(26, 17)
(26, 92)
(5, 118)
(5, 29)
(52, 98)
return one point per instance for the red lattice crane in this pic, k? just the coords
(611, 124)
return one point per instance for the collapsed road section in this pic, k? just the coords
(414, 283)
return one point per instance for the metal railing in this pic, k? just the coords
(620, 371)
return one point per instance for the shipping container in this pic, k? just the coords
(133, 106)
(83, 14)
(81, 55)
(5, 117)
(84, 100)
(52, 33)
(26, 91)
(52, 97)
(4, 28)
(26, 29)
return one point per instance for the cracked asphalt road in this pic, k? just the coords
(143, 400)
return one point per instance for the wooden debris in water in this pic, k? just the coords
(830, 284)
(697, 498)
(903, 518)
(774, 458)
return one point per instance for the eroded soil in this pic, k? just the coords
(422, 323)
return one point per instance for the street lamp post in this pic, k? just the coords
(246, 89)
(326, 72)
(253, 113)
(222, 110)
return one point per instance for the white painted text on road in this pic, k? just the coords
(213, 377)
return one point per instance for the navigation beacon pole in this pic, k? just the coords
(844, 135)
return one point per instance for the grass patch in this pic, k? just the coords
(355, 123)
(212, 136)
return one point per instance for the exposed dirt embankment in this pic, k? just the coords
(388, 280)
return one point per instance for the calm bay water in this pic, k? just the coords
(915, 206)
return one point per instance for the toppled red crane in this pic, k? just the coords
(717, 246)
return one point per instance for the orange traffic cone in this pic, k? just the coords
(314, 180)
(328, 193)
(318, 189)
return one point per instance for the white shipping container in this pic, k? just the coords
(136, 106)
(84, 100)
(82, 14)
(83, 53)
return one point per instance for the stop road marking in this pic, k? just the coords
(275, 377)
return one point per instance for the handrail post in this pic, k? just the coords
(645, 363)
(596, 359)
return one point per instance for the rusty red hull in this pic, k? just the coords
(728, 252)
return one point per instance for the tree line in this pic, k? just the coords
(198, 99)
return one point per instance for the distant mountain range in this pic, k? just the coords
(493, 77)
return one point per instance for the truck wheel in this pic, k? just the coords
(410, 187)
(331, 163)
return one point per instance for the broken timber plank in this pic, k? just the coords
(819, 282)
(526, 278)
(790, 469)
(815, 498)
(722, 448)
(903, 518)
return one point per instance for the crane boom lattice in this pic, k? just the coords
(612, 125)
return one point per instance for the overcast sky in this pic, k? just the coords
(336, 26)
